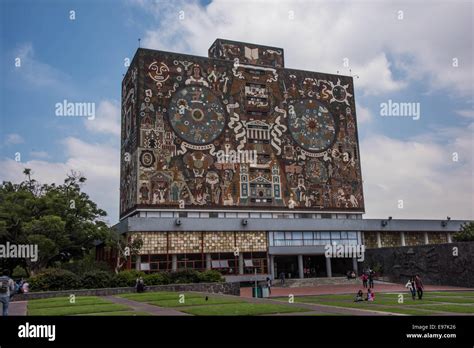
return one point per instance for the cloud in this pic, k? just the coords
(39, 154)
(99, 163)
(107, 119)
(466, 113)
(421, 172)
(364, 115)
(319, 35)
(39, 74)
(14, 139)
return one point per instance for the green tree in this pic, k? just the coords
(61, 219)
(466, 233)
(124, 247)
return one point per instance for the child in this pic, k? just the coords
(358, 297)
(370, 295)
(410, 285)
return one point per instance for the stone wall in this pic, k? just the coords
(436, 264)
(215, 288)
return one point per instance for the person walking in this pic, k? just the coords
(419, 286)
(410, 285)
(7, 287)
(282, 278)
(269, 285)
(364, 278)
(371, 279)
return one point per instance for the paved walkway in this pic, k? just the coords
(346, 289)
(17, 308)
(144, 307)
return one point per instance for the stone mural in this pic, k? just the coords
(237, 131)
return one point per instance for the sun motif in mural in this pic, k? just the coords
(311, 125)
(339, 92)
(197, 115)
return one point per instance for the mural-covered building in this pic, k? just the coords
(234, 162)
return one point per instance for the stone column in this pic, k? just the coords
(208, 262)
(402, 238)
(300, 267)
(450, 239)
(138, 262)
(425, 236)
(379, 240)
(328, 267)
(355, 266)
(272, 266)
(241, 263)
(174, 263)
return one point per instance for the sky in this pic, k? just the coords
(419, 166)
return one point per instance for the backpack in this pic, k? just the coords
(4, 285)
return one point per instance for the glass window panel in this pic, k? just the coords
(325, 241)
(307, 235)
(352, 235)
(316, 235)
(287, 235)
(343, 235)
(325, 235)
(335, 235)
(297, 235)
(279, 235)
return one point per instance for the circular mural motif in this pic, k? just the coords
(147, 158)
(311, 125)
(197, 115)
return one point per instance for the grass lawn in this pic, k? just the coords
(195, 301)
(159, 296)
(452, 308)
(77, 309)
(433, 303)
(119, 313)
(242, 308)
(65, 301)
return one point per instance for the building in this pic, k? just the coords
(190, 189)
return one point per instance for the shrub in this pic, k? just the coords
(54, 279)
(210, 277)
(96, 280)
(19, 272)
(126, 278)
(156, 279)
(184, 277)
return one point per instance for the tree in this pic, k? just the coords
(125, 247)
(466, 233)
(61, 219)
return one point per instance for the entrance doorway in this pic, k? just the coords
(314, 266)
(287, 265)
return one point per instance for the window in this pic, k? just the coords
(183, 214)
(325, 216)
(279, 235)
(213, 215)
(335, 235)
(307, 235)
(297, 235)
(325, 235)
(288, 235)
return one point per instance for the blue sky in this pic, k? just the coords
(404, 60)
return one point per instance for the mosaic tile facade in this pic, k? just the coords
(201, 242)
(237, 131)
